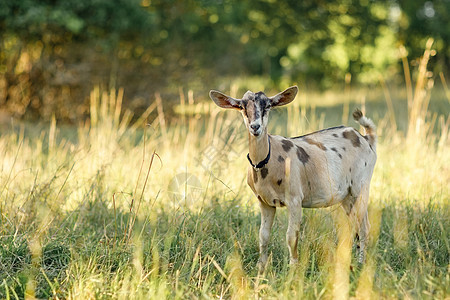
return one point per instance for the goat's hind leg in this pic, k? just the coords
(356, 208)
(267, 216)
(363, 222)
(363, 237)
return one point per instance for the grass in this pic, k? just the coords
(115, 209)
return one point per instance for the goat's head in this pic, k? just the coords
(254, 107)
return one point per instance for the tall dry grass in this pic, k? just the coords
(160, 207)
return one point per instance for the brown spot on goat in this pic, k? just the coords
(302, 155)
(335, 135)
(279, 181)
(315, 143)
(264, 172)
(287, 145)
(280, 158)
(335, 150)
(343, 148)
(351, 135)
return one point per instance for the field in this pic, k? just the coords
(159, 207)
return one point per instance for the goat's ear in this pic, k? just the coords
(224, 101)
(285, 97)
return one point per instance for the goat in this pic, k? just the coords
(319, 169)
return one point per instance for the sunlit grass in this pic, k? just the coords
(97, 214)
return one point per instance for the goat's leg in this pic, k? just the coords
(293, 231)
(356, 209)
(364, 225)
(360, 215)
(363, 237)
(267, 216)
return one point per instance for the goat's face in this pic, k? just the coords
(255, 110)
(254, 107)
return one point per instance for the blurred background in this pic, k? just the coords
(54, 53)
(90, 88)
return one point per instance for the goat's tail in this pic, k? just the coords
(371, 129)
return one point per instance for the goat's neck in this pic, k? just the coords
(258, 147)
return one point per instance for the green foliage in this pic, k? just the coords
(81, 19)
(299, 39)
(53, 52)
(422, 19)
(14, 260)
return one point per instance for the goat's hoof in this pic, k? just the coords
(293, 261)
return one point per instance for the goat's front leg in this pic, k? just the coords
(293, 231)
(267, 216)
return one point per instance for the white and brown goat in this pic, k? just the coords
(319, 169)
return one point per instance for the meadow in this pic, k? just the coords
(158, 207)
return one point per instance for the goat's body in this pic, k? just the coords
(326, 167)
(320, 169)
(332, 166)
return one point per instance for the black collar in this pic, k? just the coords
(262, 163)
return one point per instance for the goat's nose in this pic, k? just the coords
(255, 126)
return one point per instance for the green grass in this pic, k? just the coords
(88, 212)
